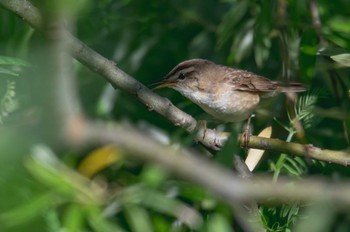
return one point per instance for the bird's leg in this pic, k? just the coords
(247, 133)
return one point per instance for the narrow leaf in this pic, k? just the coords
(342, 59)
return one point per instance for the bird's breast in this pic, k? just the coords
(230, 106)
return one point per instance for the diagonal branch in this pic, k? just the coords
(208, 174)
(119, 79)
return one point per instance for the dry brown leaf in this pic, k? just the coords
(254, 155)
(99, 159)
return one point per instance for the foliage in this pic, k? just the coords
(9, 66)
(276, 39)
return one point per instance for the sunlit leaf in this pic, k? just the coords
(342, 59)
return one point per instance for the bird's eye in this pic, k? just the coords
(181, 76)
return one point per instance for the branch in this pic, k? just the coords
(59, 95)
(307, 150)
(119, 79)
(208, 174)
(220, 181)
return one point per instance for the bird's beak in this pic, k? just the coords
(162, 84)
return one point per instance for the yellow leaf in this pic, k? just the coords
(254, 155)
(99, 159)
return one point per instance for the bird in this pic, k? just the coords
(225, 93)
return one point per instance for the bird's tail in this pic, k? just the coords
(290, 87)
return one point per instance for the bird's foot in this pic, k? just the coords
(247, 133)
(202, 126)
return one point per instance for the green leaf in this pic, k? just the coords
(218, 222)
(262, 32)
(69, 7)
(99, 223)
(170, 206)
(304, 109)
(6, 60)
(28, 211)
(9, 102)
(340, 23)
(61, 179)
(73, 218)
(52, 220)
(331, 51)
(242, 43)
(307, 54)
(233, 17)
(291, 170)
(159, 202)
(138, 219)
(340, 39)
(8, 71)
(154, 175)
(192, 192)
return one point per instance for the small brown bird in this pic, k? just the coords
(225, 93)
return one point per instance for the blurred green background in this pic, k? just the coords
(41, 189)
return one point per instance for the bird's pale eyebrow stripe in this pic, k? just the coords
(186, 69)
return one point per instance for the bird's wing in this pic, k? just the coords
(247, 81)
